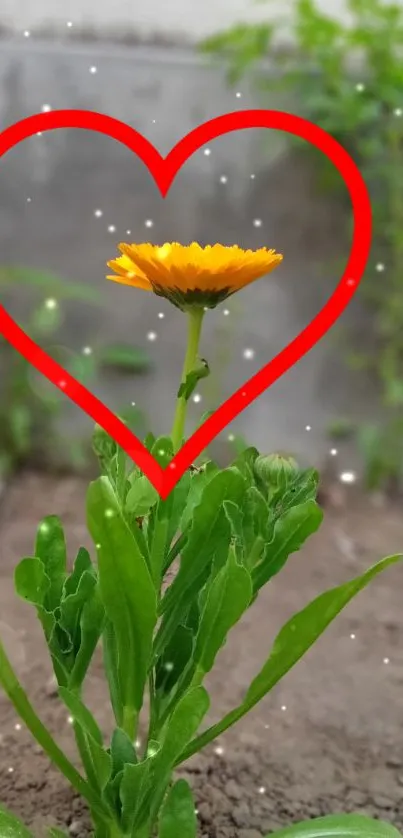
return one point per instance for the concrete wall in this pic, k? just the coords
(178, 18)
(51, 186)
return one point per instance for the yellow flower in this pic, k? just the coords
(191, 275)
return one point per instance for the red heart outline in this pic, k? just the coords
(164, 170)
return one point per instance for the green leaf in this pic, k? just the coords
(290, 532)
(96, 760)
(123, 751)
(304, 628)
(110, 659)
(339, 826)
(135, 785)
(127, 590)
(50, 548)
(206, 546)
(181, 727)
(124, 358)
(294, 639)
(12, 827)
(81, 714)
(141, 496)
(189, 385)
(55, 832)
(228, 596)
(92, 620)
(31, 581)
(174, 660)
(183, 724)
(178, 816)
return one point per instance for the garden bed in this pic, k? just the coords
(328, 738)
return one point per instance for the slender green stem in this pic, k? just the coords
(22, 705)
(195, 321)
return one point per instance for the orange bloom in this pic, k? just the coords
(191, 275)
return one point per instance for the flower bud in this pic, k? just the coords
(276, 471)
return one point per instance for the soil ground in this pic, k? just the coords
(328, 739)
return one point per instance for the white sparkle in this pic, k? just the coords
(386, 660)
(226, 312)
(266, 727)
(29, 200)
(128, 232)
(360, 87)
(109, 513)
(70, 720)
(284, 707)
(17, 726)
(238, 94)
(138, 743)
(219, 750)
(261, 789)
(46, 108)
(252, 177)
(223, 179)
(151, 751)
(333, 452)
(398, 111)
(257, 222)
(197, 398)
(69, 24)
(133, 404)
(62, 383)
(87, 350)
(207, 152)
(153, 121)
(151, 336)
(93, 69)
(149, 223)
(231, 437)
(26, 33)
(44, 527)
(39, 133)
(98, 213)
(348, 477)
(161, 315)
(51, 303)
(10, 769)
(308, 427)
(248, 354)
(98, 546)
(111, 228)
(352, 636)
(169, 666)
(380, 267)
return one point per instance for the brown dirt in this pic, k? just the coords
(328, 739)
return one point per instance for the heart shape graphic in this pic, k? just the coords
(164, 171)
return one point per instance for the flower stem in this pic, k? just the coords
(195, 320)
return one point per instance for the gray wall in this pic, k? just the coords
(176, 19)
(68, 174)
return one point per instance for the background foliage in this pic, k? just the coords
(348, 78)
